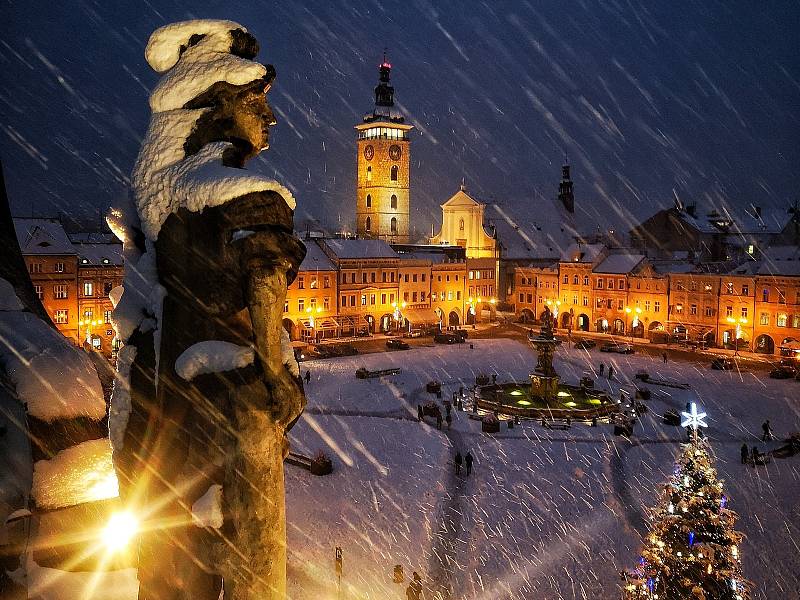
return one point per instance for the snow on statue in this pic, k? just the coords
(208, 386)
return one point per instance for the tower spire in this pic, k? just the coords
(565, 194)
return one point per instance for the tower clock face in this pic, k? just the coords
(395, 152)
(369, 152)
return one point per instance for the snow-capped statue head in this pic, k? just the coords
(210, 115)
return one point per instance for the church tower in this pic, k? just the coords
(565, 193)
(384, 162)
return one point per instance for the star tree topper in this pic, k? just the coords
(693, 419)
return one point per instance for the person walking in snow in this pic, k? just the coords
(755, 455)
(468, 462)
(449, 420)
(602, 368)
(767, 429)
(419, 412)
(610, 372)
(308, 376)
(439, 421)
(458, 461)
(414, 590)
(745, 452)
(664, 356)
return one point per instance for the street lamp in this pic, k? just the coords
(88, 323)
(738, 322)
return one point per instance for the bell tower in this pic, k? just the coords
(383, 167)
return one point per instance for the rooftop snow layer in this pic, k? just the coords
(315, 259)
(42, 236)
(353, 249)
(619, 263)
(99, 254)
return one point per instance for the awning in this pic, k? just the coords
(320, 324)
(352, 321)
(420, 316)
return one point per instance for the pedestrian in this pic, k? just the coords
(767, 429)
(439, 421)
(448, 408)
(755, 454)
(494, 378)
(308, 376)
(610, 372)
(664, 356)
(468, 462)
(414, 590)
(449, 420)
(602, 368)
(419, 412)
(458, 461)
(745, 453)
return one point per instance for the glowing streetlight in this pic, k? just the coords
(119, 531)
(693, 420)
(738, 322)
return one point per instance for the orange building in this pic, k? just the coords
(100, 269)
(449, 298)
(53, 266)
(610, 287)
(575, 288)
(310, 310)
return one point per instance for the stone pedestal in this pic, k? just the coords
(544, 386)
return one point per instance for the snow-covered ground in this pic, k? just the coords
(545, 514)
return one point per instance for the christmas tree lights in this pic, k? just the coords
(692, 551)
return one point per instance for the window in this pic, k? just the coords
(679, 308)
(109, 332)
(326, 282)
(423, 278)
(619, 304)
(88, 288)
(39, 292)
(765, 294)
(405, 296)
(353, 277)
(781, 296)
(352, 299)
(369, 173)
(449, 295)
(369, 200)
(393, 202)
(585, 280)
(414, 278)
(368, 224)
(383, 298)
(414, 297)
(363, 299)
(693, 286)
(61, 316)
(391, 276)
(657, 306)
(461, 224)
(586, 300)
(60, 292)
(393, 174)
(286, 305)
(600, 283)
(745, 290)
(600, 302)
(781, 320)
(301, 304)
(393, 225)
(744, 312)
(107, 287)
(59, 267)
(312, 304)
(764, 320)
(574, 280)
(344, 277)
(638, 284)
(728, 311)
(107, 316)
(707, 287)
(566, 278)
(611, 284)
(391, 298)
(693, 309)
(472, 276)
(647, 305)
(621, 285)
(313, 284)
(35, 267)
(372, 277)
(458, 295)
(372, 299)
(422, 296)
(795, 321)
(301, 283)
(575, 299)
(383, 276)
(521, 297)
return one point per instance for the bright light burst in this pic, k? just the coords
(120, 530)
(693, 419)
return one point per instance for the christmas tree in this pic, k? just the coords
(692, 550)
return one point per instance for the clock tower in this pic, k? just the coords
(382, 190)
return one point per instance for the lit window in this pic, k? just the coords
(59, 268)
(107, 316)
(60, 292)
(369, 173)
(368, 224)
(61, 316)
(88, 288)
(369, 201)
(301, 283)
(314, 284)
(781, 320)
(39, 292)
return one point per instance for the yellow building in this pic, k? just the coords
(448, 297)
(310, 312)
(463, 225)
(383, 168)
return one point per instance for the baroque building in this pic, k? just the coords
(383, 168)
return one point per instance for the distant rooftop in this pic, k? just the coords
(100, 254)
(360, 248)
(315, 259)
(42, 236)
(618, 264)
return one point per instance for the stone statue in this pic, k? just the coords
(209, 383)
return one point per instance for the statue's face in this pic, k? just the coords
(252, 118)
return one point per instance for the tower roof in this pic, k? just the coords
(384, 96)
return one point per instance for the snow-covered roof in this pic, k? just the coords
(42, 236)
(361, 248)
(546, 235)
(619, 263)
(315, 259)
(586, 253)
(99, 254)
(780, 260)
(93, 237)
(674, 266)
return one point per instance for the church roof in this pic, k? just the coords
(355, 249)
(460, 199)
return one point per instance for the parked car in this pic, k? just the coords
(445, 338)
(346, 350)
(585, 344)
(722, 364)
(618, 348)
(461, 335)
(321, 351)
(363, 333)
(395, 344)
(782, 372)
(414, 333)
(300, 354)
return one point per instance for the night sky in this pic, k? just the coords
(648, 100)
